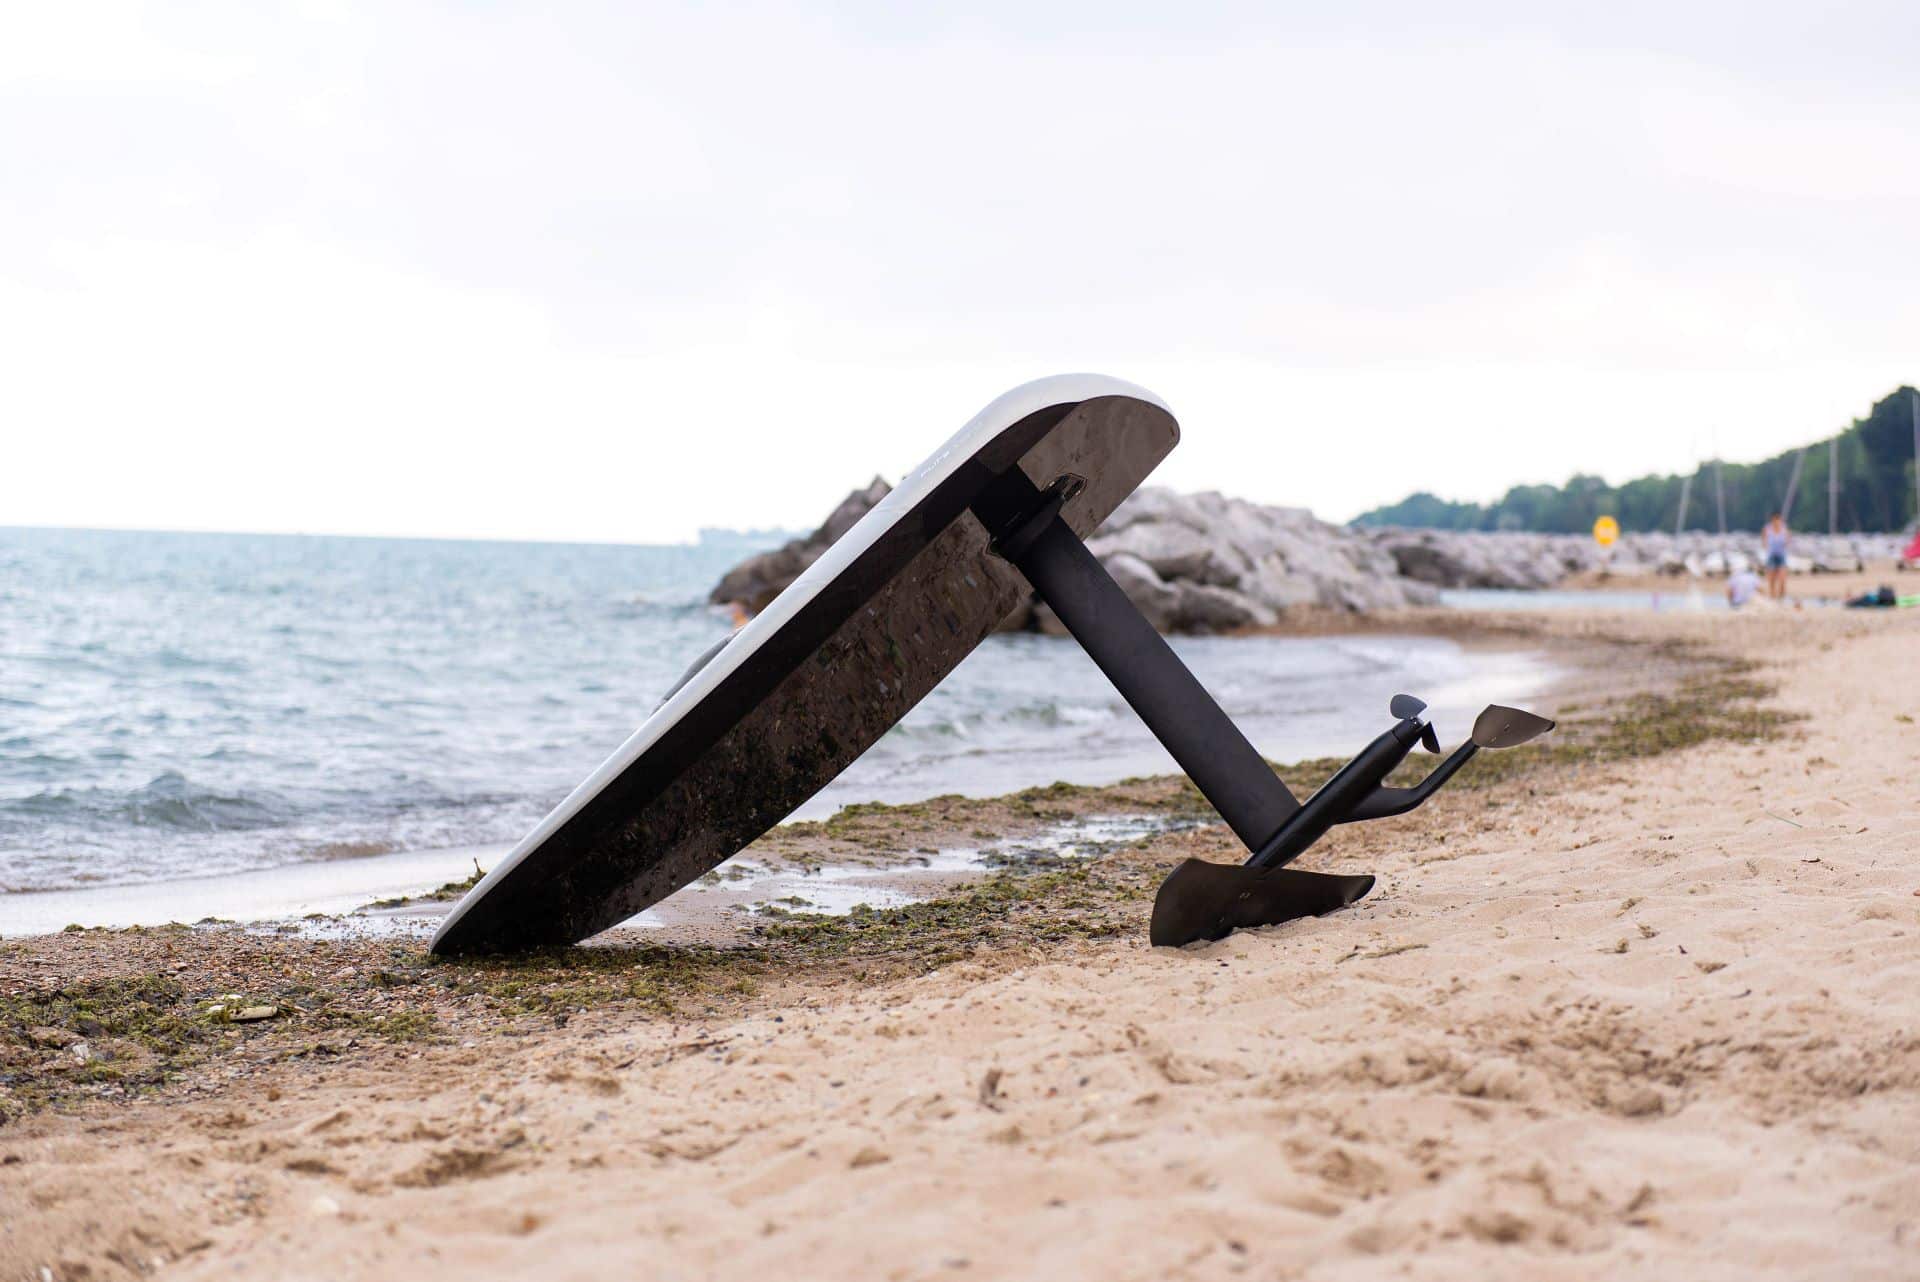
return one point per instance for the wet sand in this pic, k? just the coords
(1640, 1000)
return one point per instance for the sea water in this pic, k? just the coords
(179, 705)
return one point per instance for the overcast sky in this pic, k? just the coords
(620, 271)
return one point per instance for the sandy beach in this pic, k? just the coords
(1823, 589)
(1640, 1000)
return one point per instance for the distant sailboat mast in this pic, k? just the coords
(1833, 484)
(1914, 398)
(1793, 484)
(1720, 491)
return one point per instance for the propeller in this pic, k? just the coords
(1500, 727)
(1408, 708)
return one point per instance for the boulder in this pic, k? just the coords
(1481, 559)
(1236, 564)
(1190, 562)
(754, 583)
(1151, 594)
(1488, 559)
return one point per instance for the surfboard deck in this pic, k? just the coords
(818, 676)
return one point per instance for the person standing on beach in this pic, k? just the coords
(1776, 538)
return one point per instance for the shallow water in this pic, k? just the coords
(187, 705)
(346, 899)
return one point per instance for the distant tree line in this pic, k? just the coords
(1876, 467)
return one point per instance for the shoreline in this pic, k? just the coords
(1634, 999)
(338, 889)
(1830, 587)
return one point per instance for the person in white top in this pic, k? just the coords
(1741, 587)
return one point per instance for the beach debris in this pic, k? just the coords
(323, 1206)
(232, 1008)
(868, 1156)
(1636, 1100)
(1392, 950)
(990, 1089)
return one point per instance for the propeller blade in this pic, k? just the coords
(1428, 738)
(1500, 727)
(1405, 706)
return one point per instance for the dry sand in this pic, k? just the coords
(1658, 1018)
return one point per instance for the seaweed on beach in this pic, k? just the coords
(445, 894)
(159, 1003)
(128, 1031)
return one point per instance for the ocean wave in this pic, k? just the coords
(176, 660)
(1026, 717)
(168, 800)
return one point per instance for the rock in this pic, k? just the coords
(1520, 560)
(1216, 563)
(1190, 562)
(756, 581)
(1172, 549)
(1474, 559)
(1207, 608)
(1208, 563)
(1153, 595)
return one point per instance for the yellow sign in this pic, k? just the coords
(1605, 531)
